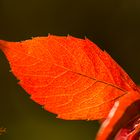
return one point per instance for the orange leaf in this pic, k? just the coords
(70, 77)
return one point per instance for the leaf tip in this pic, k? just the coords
(2, 43)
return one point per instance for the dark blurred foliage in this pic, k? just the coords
(112, 24)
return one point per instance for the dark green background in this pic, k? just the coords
(112, 24)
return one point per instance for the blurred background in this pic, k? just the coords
(112, 24)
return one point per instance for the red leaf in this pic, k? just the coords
(70, 77)
(76, 80)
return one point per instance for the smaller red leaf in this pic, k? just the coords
(124, 110)
(131, 131)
